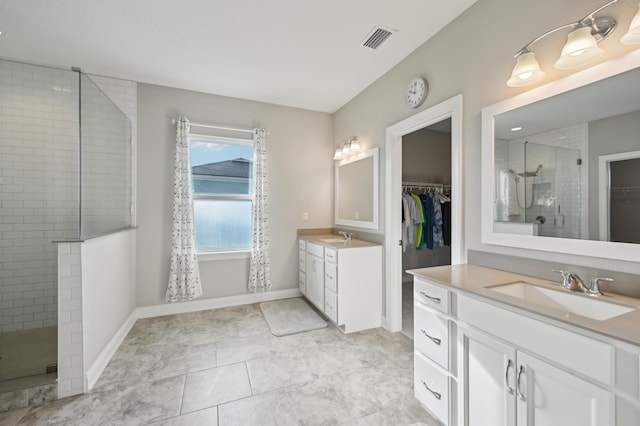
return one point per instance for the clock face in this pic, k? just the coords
(416, 92)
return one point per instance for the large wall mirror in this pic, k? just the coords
(356, 190)
(561, 165)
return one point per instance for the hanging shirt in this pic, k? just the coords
(419, 221)
(438, 239)
(427, 203)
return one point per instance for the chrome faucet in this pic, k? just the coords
(571, 281)
(594, 290)
(347, 235)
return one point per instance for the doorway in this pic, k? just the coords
(448, 110)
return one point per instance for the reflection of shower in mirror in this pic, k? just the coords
(525, 174)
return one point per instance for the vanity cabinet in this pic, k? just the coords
(344, 282)
(483, 362)
(506, 386)
(434, 346)
(315, 275)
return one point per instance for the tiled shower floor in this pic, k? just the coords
(223, 367)
(24, 356)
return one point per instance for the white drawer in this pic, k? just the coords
(302, 244)
(302, 261)
(331, 305)
(431, 295)
(302, 282)
(331, 276)
(331, 255)
(432, 388)
(431, 335)
(315, 249)
(590, 357)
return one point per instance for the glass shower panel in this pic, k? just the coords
(539, 186)
(568, 193)
(38, 205)
(106, 163)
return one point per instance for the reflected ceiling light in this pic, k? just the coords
(580, 49)
(633, 35)
(516, 129)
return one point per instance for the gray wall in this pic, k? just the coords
(608, 136)
(300, 167)
(474, 56)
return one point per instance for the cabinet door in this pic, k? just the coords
(548, 396)
(315, 281)
(487, 393)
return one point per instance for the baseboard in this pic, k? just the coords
(220, 302)
(98, 366)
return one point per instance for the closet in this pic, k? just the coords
(426, 176)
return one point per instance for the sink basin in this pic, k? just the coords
(590, 307)
(333, 240)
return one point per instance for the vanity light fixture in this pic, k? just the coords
(580, 49)
(633, 35)
(347, 147)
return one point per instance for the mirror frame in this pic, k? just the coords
(374, 223)
(594, 248)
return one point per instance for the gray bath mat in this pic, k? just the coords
(291, 316)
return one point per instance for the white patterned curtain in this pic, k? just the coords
(260, 267)
(184, 275)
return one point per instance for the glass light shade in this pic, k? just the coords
(527, 71)
(338, 154)
(355, 145)
(346, 148)
(633, 35)
(580, 49)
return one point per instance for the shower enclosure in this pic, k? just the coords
(65, 174)
(539, 184)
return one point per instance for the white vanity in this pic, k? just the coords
(489, 353)
(343, 279)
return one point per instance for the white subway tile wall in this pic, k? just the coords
(39, 183)
(38, 188)
(70, 353)
(573, 202)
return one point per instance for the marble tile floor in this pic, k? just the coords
(223, 367)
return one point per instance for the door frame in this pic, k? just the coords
(604, 182)
(451, 108)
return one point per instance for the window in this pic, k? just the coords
(222, 172)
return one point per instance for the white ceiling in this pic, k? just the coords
(301, 53)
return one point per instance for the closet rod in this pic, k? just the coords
(209, 126)
(426, 184)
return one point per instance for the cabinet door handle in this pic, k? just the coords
(433, 339)
(433, 299)
(434, 393)
(506, 377)
(522, 397)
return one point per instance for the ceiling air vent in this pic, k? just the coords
(377, 36)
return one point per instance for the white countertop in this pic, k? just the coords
(475, 279)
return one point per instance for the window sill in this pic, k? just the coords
(223, 255)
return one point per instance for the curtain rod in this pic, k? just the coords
(209, 126)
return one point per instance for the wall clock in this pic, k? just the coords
(416, 92)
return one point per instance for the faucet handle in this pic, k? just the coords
(595, 285)
(566, 277)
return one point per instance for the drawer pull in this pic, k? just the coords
(329, 276)
(506, 377)
(522, 397)
(433, 339)
(434, 393)
(433, 299)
